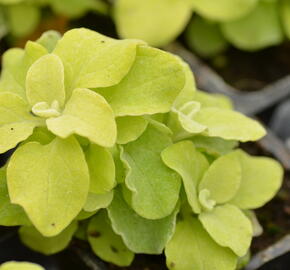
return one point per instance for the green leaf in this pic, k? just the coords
(147, 175)
(261, 179)
(23, 19)
(185, 117)
(15, 65)
(189, 89)
(105, 243)
(86, 114)
(49, 39)
(20, 266)
(223, 10)
(92, 60)
(151, 20)
(76, 8)
(16, 123)
(47, 245)
(102, 169)
(229, 125)
(130, 128)
(190, 164)
(251, 32)
(192, 248)
(151, 86)
(285, 16)
(45, 81)
(50, 182)
(212, 100)
(98, 201)
(223, 178)
(120, 171)
(139, 234)
(41, 135)
(214, 146)
(205, 37)
(229, 227)
(10, 214)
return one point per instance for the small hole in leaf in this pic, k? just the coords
(114, 249)
(95, 234)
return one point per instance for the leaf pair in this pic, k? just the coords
(216, 192)
(213, 119)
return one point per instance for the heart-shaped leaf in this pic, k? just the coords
(139, 234)
(105, 243)
(190, 164)
(223, 178)
(191, 247)
(147, 175)
(151, 86)
(261, 179)
(87, 114)
(45, 81)
(229, 227)
(92, 60)
(50, 182)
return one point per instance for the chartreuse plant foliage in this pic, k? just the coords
(247, 24)
(20, 266)
(117, 147)
(20, 17)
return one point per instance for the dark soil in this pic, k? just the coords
(251, 71)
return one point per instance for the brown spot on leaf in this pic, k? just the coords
(172, 264)
(12, 128)
(53, 224)
(114, 249)
(95, 234)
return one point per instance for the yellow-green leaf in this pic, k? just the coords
(229, 125)
(147, 175)
(151, 20)
(130, 128)
(105, 243)
(92, 60)
(261, 179)
(47, 245)
(223, 10)
(96, 202)
(86, 114)
(151, 86)
(16, 122)
(191, 247)
(223, 178)
(190, 164)
(102, 169)
(45, 81)
(20, 266)
(50, 182)
(229, 227)
(139, 234)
